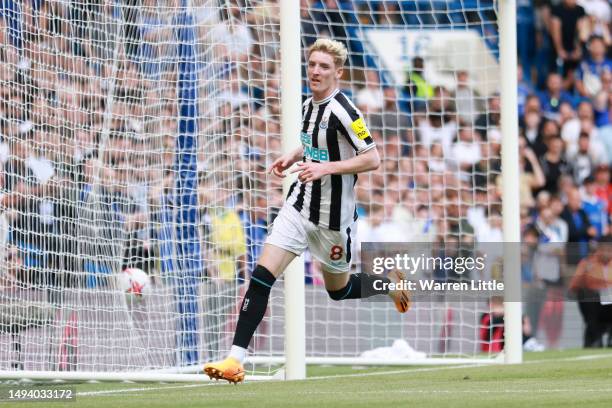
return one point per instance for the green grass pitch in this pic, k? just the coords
(575, 378)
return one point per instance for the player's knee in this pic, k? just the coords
(335, 294)
(339, 294)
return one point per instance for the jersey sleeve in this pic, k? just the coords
(353, 127)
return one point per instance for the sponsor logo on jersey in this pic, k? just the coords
(316, 154)
(360, 129)
(323, 125)
(306, 139)
(312, 152)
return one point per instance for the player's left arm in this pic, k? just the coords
(366, 161)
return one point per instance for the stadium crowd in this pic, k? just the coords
(88, 147)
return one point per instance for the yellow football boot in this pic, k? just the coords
(401, 298)
(229, 369)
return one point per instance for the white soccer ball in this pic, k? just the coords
(135, 283)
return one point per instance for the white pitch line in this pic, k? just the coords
(124, 390)
(419, 370)
(128, 390)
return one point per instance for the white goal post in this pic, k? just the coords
(136, 134)
(295, 350)
(513, 318)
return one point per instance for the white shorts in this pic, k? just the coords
(294, 233)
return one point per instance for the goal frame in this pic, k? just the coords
(295, 359)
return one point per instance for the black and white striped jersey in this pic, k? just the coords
(332, 130)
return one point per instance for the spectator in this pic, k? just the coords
(25, 174)
(365, 15)
(233, 93)
(388, 13)
(553, 164)
(585, 122)
(491, 332)
(590, 284)
(543, 199)
(439, 124)
(566, 186)
(533, 289)
(530, 343)
(570, 126)
(129, 200)
(370, 98)
(567, 30)
(467, 100)
(531, 123)
(605, 134)
(465, 152)
(141, 188)
(491, 335)
(45, 227)
(603, 186)
(550, 129)
(554, 96)
(264, 19)
(491, 229)
(456, 212)
(417, 88)
(153, 52)
(392, 121)
(584, 158)
(308, 27)
(594, 207)
(524, 89)
(378, 226)
(477, 213)
(557, 207)
(62, 195)
(228, 241)
(580, 230)
(332, 19)
(532, 177)
(598, 21)
(602, 104)
(436, 163)
(12, 270)
(591, 69)
(488, 123)
(544, 58)
(553, 234)
(525, 27)
(232, 38)
(547, 261)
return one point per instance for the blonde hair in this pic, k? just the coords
(332, 47)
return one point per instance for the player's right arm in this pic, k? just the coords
(285, 161)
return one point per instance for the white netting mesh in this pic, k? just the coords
(98, 109)
(425, 74)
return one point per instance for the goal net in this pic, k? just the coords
(135, 135)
